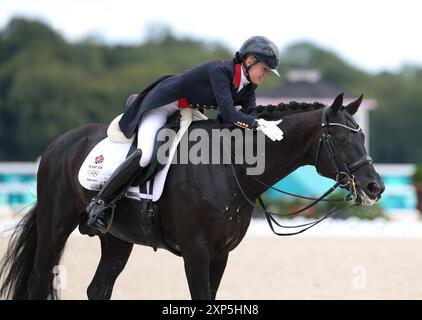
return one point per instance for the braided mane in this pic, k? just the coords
(280, 110)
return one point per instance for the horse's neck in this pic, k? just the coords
(298, 147)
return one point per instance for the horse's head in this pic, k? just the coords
(341, 153)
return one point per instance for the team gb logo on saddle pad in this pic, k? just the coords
(99, 159)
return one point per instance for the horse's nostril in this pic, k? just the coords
(373, 188)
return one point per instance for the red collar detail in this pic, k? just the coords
(237, 75)
(183, 103)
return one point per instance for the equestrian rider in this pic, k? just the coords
(227, 84)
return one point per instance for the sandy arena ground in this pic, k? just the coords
(264, 267)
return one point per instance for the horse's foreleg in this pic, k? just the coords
(197, 269)
(217, 267)
(114, 255)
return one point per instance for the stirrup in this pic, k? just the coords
(98, 218)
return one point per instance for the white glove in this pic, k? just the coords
(270, 129)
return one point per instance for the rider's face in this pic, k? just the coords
(259, 71)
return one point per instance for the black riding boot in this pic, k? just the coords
(111, 192)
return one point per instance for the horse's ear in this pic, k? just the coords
(354, 106)
(337, 104)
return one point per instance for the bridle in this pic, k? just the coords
(344, 172)
(344, 177)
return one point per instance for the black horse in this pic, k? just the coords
(205, 214)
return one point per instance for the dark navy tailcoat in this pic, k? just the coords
(213, 83)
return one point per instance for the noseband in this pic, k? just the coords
(344, 172)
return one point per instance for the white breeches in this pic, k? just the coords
(149, 125)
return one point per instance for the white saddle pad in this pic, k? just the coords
(106, 156)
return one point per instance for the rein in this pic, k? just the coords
(271, 219)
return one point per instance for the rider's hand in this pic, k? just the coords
(270, 129)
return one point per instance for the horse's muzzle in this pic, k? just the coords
(369, 195)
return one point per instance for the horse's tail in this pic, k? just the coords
(16, 265)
